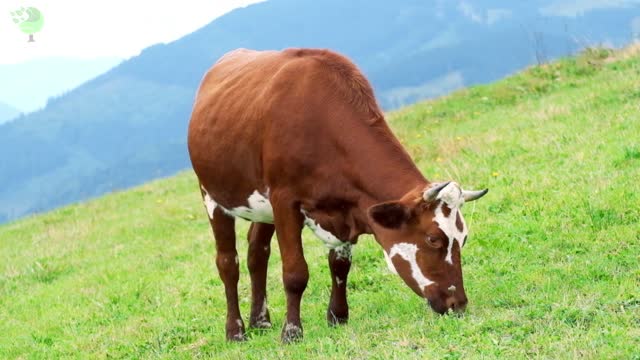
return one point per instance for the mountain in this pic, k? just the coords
(550, 266)
(29, 84)
(129, 125)
(7, 112)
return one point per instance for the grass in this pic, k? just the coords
(551, 270)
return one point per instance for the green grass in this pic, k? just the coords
(551, 269)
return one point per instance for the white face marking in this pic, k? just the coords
(259, 209)
(338, 281)
(451, 195)
(239, 322)
(390, 265)
(408, 253)
(452, 288)
(209, 204)
(342, 248)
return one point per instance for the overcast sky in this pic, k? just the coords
(114, 28)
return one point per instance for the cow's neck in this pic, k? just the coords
(380, 171)
(387, 172)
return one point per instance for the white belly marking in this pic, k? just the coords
(258, 210)
(258, 207)
(342, 248)
(209, 204)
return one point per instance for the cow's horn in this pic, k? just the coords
(431, 193)
(470, 195)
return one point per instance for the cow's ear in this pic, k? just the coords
(390, 215)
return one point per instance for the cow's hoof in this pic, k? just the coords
(291, 333)
(260, 325)
(335, 319)
(236, 337)
(261, 321)
(235, 331)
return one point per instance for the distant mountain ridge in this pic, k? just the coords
(129, 125)
(7, 112)
(28, 85)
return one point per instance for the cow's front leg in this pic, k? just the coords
(295, 274)
(339, 264)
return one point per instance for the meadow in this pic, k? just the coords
(552, 266)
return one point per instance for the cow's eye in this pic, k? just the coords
(433, 241)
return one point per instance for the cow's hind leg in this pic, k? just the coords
(339, 264)
(227, 262)
(258, 259)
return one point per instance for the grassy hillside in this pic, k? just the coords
(551, 270)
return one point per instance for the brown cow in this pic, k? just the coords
(292, 138)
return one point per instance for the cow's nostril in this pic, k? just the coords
(451, 303)
(455, 304)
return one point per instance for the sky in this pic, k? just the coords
(111, 28)
(122, 28)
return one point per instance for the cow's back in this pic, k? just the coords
(275, 119)
(232, 119)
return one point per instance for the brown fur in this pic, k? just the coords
(348, 81)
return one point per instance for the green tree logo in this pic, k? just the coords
(29, 20)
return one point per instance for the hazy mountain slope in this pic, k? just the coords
(7, 112)
(129, 125)
(28, 85)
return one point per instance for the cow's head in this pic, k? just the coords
(422, 235)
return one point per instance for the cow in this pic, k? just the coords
(294, 138)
